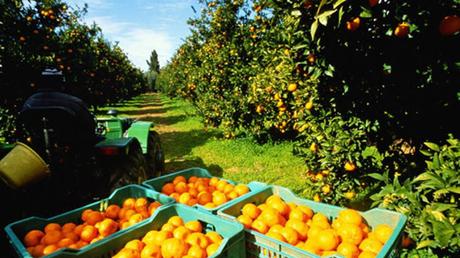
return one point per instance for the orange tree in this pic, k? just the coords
(48, 34)
(359, 85)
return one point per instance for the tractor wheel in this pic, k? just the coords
(130, 169)
(155, 157)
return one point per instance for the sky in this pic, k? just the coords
(141, 26)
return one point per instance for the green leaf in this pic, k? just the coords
(325, 14)
(432, 146)
(378, 177)
(453, 189)
(426, 153)
(337, 3)
(441, 207)
(339, 20)
(425, 243)
(314, 27)
(323, 20)
(443, 232)
(365, 13)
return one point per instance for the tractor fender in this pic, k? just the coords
(140, 131)
(116, 147)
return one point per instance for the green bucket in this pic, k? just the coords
(22, 166)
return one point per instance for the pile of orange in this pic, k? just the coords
(348, 234)
(176, 238)
(95, 226)
(208, 192)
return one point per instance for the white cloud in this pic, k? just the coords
(137, 42)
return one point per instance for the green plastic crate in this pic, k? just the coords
(157, 183)
(232, 245)
(259, 245)
(16, 230)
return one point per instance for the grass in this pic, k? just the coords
(187, 143)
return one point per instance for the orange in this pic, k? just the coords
(449, 25)
(162, 236)
(181, 232)
(196, 251)
(94, 217)
(179, 179)
(291, 205)
(367, 254)
(193, 192)
(383, 232)
(78, 229)
(150, 237)
(50, 249)
(68, 227)
(184, 198)
(88, 233)
(168, 227)
(220, 186)
(232, 195)
(311, 247)
(192, 179)
(175, 196)
(350, 233)
(214, 237)
(272, 198)
(402, 30)
(350, 216)
(276, 228)
(135, 244)
(353, 24)
(129, 203)
(300, 227)
(371, 245)
(127, 253)
(276, 236)
(51, 227)
(204, 198)
(194, 226)
(306, 210)
(320, 220)
(270, 217)
(71, 235)
(290, 235)
(107, 227)
(348, 250)
(181, 187)
(260, 226)
(154, 205)
(219, 198)
(251, 210)
(37, 251)
(168, 188)
(141, 204)
(65, 242)
(228, 188)
(211, 249)
(135, 218)
(373, 3)
(84, 214)
(51, 237)
(327, 240)
(151, 251)
(262, 206)
(245, 220)
(241, 189)
(112, 211)
(213, 181)
(280, 206)
(314, 231)
(33, 237)
(210, 205)
(198, 239)
(129, 213)
(298, 214)
(176, 221)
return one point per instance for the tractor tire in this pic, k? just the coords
(155, 156)
(130, 169)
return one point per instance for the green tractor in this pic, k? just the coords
(65, 157)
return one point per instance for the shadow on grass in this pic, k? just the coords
(181, 164)
(179, 144)
(134, 111)
(169, 120)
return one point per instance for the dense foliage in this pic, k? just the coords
(40, 34)
(359, 85)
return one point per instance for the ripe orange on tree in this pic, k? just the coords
(449, 25)
(402, 30)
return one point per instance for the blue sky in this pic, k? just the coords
(142, 25)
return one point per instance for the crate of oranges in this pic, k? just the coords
(198, 188)
(175, 231)
(80, 229)
(279, 224)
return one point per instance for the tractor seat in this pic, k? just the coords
(66, 114)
